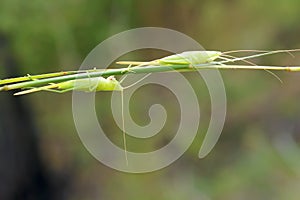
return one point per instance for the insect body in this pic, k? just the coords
(190, 57)
(185, 58)
(85, 84)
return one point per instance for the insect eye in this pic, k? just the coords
(111, 78)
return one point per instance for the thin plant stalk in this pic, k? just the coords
(136, 70)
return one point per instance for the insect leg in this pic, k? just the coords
(90, 85)
(31, 78)
(37, 89)
(59, 91)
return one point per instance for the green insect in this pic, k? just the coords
(187, 57)
(197, 58)
(85, 84)
(205, 58)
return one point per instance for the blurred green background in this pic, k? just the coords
(257, 156)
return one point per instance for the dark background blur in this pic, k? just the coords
(257, 156)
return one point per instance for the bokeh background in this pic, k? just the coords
(257, 156)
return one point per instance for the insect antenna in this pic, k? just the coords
(251, 63)
(133, 84)
(264, 52)
(227, 58)
(244, 50)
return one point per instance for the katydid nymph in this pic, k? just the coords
(204, 57)
(85, 84)
(187, 57)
